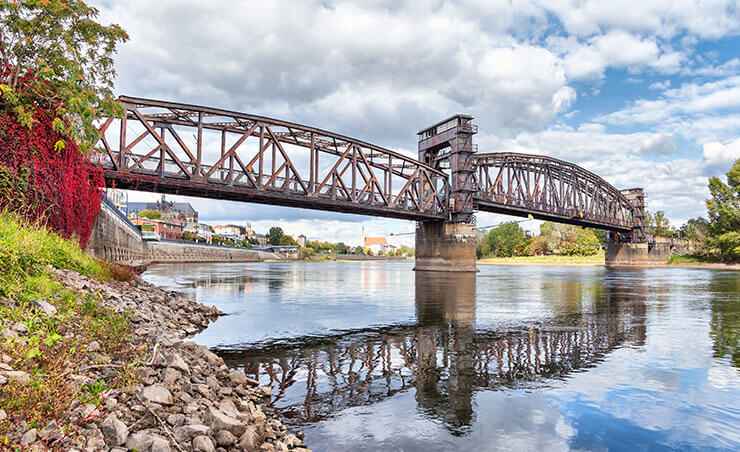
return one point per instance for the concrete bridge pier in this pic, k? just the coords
(445, 247)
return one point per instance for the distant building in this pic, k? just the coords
(378, 245)
(231, 231)
(165, 230)
(118, 198)
(205, 232)
(176, 212)
(301, 240)
(260, 238)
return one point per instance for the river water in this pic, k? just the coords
(373, 356)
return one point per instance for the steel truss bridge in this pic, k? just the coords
(174, 148)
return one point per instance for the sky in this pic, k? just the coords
(642, 93)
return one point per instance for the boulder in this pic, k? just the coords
(157, 394)
(221, 421)
(225, 438)
(203, 443)
(20, 376)
(29, 437)
(250, 439)
(237, 377)
(171, 375)
(175, 361)
(160, 444)
(45, 307)
(114, 431)
(188, 432)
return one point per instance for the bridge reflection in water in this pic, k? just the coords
(445, 357)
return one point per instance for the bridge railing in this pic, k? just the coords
(201, 151)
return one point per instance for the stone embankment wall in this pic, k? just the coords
(637, 254)
(186, 252)
(115, 239)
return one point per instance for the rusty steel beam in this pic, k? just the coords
(261, 164)
(549, 189)
(256, 159)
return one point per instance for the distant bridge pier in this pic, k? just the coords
(636, 248)
(449, 246)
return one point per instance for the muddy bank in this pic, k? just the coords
(182, 396)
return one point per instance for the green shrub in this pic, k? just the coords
(729, 245)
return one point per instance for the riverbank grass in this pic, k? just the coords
(551, 259)
(54, 339)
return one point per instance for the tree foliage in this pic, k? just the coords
(585, 243)
(274, 235)
(55, 56)
(151, 214)
(536, 247)
(723, 209)
(44, 185)
(504, 239)
(557, 235)
(658, 225)
(287, 240)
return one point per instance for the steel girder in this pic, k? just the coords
(549, 189)
(264, 160)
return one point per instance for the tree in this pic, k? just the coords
(558, 234)
(480, 242)
(340, 248)
(287, 240)
(150, 214)
(659, 225)
(407, 250)
(600, 235)
(505, 238)
(696, 231)
(723, 209)
(306, 253)
(537, 247)
(273, 236)
(55, 56)
(585, 243)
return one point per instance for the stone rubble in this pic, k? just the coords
(187, 399)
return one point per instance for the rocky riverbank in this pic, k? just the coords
(181, 396)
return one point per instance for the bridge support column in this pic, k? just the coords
(637, 254)
(445, 247)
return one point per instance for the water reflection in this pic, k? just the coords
(725, 323)
(445, 357)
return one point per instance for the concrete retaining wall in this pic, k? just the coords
(182, 252)
(637, 254)
(115, 239)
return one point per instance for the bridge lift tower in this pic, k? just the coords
(450, 245)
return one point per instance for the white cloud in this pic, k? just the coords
(382, 70)
(718, 157)
(711, 19)
(693, 110)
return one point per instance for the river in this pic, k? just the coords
(373, 356)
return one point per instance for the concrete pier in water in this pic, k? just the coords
(448, 247)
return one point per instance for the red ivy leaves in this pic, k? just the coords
(63, 192)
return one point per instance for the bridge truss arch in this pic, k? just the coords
(549, 189)
(168, 147)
